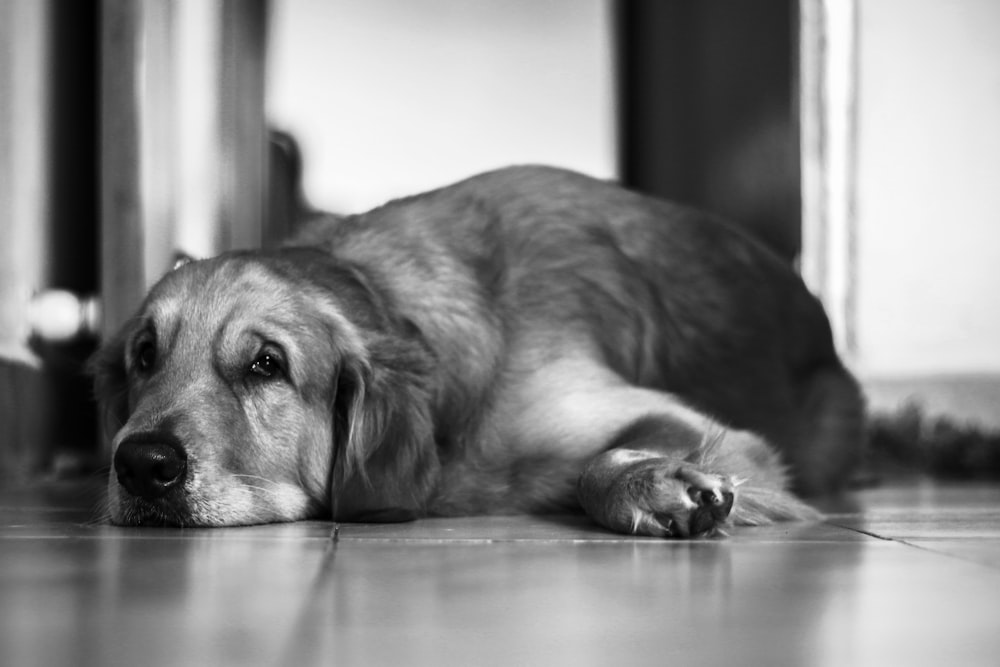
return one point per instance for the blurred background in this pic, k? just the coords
(857, 138)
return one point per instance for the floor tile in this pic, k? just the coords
(137, 601)
(861, 602)
(984, 551)
(910, 576)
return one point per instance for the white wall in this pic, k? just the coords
(393, 97)
(929, 187)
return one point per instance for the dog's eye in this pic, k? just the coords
(266, 366)
(145, 356)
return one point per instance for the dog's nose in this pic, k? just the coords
(150, 466)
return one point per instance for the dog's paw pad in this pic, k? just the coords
(713, 506)
(662, 496)
(712, 511)
(683, 502)
(718, 501)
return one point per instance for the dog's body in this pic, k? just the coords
(528, 340)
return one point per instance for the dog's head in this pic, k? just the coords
(258, 387)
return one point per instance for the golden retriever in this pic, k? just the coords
(529, 340)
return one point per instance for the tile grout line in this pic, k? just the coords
(863, 532)
(963, 559)
(306, 629)
(919, 547)
(572, 541)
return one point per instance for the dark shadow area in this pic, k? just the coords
(707, 109)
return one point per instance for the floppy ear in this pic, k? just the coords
(107, 367)
(385, 460)
(180, 259)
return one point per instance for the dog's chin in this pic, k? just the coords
(139, 512)
(180, 512)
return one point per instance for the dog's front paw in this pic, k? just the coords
(655, 495)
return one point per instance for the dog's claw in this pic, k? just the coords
(670, 527)
(712, 497)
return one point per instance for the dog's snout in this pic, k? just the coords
(150, 466)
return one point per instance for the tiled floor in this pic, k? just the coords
(912, 577)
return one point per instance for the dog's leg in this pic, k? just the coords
(651, 464)
(652, 483)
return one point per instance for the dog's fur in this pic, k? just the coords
(528, 340)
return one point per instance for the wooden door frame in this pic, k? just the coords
(149, 99)
(828, 101)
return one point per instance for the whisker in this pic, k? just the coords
(272, 492)
(244, 475)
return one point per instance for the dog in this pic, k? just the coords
(529, 340)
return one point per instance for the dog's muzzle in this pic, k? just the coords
(150, 465)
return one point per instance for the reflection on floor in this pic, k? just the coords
(911, 577)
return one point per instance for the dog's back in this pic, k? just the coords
(546, 263)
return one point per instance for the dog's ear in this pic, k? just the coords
(107, 368)
(385, 460)
(180, 259)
